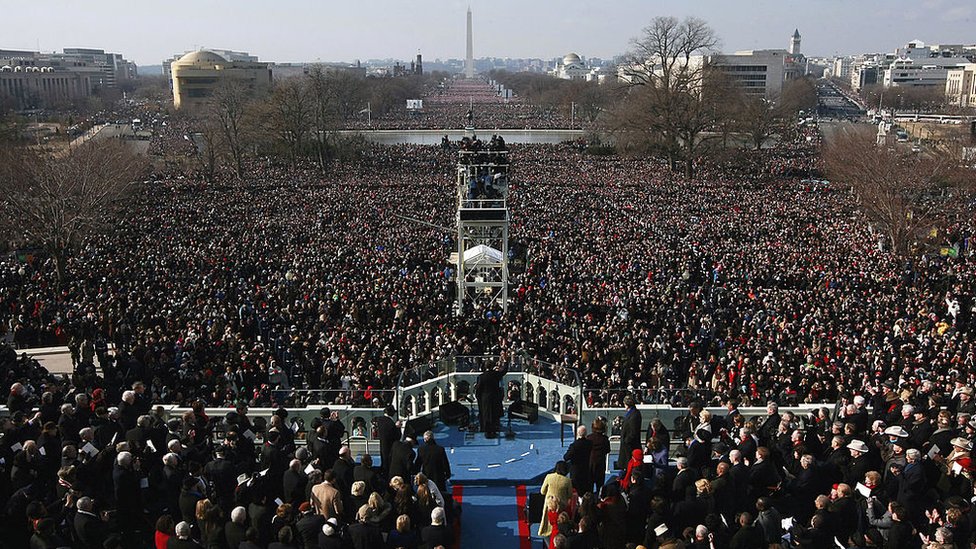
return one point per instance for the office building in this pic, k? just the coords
(961, 86)
(198, 74)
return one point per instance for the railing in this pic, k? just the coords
(423, 389)
(483, 203)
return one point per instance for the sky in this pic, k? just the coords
(148, 31)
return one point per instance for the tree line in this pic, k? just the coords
(299, 120)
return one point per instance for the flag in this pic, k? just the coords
(364, 111)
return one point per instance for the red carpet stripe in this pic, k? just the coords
(525, 542)
(457, 492)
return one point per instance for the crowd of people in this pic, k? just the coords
(446, 107)
(296, 286)
(78, 472)
(892, 471)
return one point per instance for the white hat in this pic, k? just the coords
(859, 446)
(963, 443)
(896, 431)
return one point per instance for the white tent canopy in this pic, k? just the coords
(482, 255)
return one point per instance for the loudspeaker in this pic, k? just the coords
(534, 507)
(454, 413)
(416, 427)
(526, 409)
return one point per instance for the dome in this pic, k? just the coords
(201, 57)
(572, 59)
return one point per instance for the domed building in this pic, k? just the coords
(571, 68)
(199, 73)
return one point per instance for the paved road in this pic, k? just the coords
(831, 103)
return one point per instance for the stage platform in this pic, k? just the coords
(525, 459)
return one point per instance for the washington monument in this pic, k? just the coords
(469, 58)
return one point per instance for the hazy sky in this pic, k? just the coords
(147, 31)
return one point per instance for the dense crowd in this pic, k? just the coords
(752, 287)
(447, 107)
(741, 286)
(78, 472)
(891, 471)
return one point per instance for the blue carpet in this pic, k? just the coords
(481, 461)
(489, 519)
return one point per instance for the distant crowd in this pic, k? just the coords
(446, 107)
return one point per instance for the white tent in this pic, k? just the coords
(482, 255)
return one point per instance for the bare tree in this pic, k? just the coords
(903, 194)
(325, 116)
(208, 141)
(669, 105)
(758, 119)
(799, 94)
(291, 114)
(229, 107)
(53, 202)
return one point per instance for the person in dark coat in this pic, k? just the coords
(599, 450)
(859, 464)
(365, 472)
(437, 533)
(578, 458)
(764, 479)
(236, 529)
(182, 539)
(749, 536)
(630, 433)
(364, 534)
(308, 526)
(770, 425)
(489, 394)
(815, 537)
(330, 536)
(388, 433)
(901, 535)
(432, 461)
(89, 529)
(402, 459)
(293, 483)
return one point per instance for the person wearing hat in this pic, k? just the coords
(960, 454)
(330, 536)
(892, 405)
(308, 526)
(962, 401)
(860, 462)
(943, 434)
(666, 539)
(896, 456)
(920, 429)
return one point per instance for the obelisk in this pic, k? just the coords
(469, 58)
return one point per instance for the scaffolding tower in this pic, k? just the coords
(482, 224)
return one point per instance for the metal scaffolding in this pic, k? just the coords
(482, 224)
